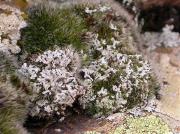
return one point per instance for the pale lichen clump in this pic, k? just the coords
(143, 125)
(11, 21)
(54, 81)
(115, 81)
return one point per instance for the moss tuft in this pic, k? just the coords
(49, 26)
(6, 64)
(135, 98)
(13, 108)
(10, 119)
(155, 87)
(15, 81)
(104, 31)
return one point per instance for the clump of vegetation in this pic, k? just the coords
(13, 98)
(143, 125)
(48, 26)
(116, 85)
(15, 81)
(55, 85)
(107, 77)
(6, 65)
(114, 77)
(11, 21)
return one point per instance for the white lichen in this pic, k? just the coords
(90, 11)
(103, 8)
(123, 73)
(11, 21)
(100, 8)
(54, 81)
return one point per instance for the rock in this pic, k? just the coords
(166, 66)
(175, 57)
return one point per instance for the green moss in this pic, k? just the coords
(134, 98)
(154, 87)
(13, 109)
(6, 65)
(15, 81)
(9, 117)
(107, 84)
(80, 10)
(143, 125)
(96, 54)
(104, 31)
(4, 36)
(93, 109)
(52, 26)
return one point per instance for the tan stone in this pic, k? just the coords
(170, 102)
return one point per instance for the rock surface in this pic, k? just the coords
(166, 63)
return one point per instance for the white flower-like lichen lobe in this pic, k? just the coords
(54, 81)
